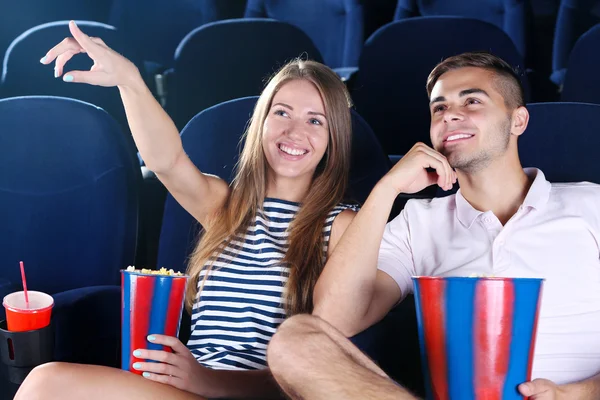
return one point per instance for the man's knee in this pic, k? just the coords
(288, 345)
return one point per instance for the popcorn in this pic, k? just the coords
(475, 275)
(162, 271)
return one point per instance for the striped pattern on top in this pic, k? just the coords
(240, 306)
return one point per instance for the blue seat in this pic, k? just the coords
(512, 16)
(335, 26)
(69, 184)
(18, 16)
(68, 194)
(561, 141)
(211, 140)
(581, 83)
(575, 17)
(226, 60)
(23, 75)
(396, 60)
(158, 26)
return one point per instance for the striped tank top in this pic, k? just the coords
(240, 306)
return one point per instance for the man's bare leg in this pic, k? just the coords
(74, 381)
(312, 360)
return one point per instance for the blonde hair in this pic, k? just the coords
(305, 256)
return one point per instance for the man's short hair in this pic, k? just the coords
(506, 81)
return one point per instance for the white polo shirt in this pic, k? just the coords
(554, 235)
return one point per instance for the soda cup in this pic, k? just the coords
(24, 316)
(477, 335)
(151, 304)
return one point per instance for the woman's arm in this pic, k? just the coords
(153, 130)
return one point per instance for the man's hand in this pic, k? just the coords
(543, 389)
(410, 174)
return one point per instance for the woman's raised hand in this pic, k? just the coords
(109, 69)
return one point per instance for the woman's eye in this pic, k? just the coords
(315, 121)
(280, 113)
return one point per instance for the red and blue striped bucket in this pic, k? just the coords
(151, 304)
(477, 335)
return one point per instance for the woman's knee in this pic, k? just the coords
(43, 381)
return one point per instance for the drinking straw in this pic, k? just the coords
(24, 283)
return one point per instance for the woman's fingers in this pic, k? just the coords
(157, 355)
(99, 41)
(91, 47)
(170, 341)
(67, 45)
(165, 379)
(157, 368)
(61, 60)
(91, 77)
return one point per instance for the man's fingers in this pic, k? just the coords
(442, 167)
(535, 387)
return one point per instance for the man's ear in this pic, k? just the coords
(520, 119)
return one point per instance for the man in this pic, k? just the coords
(504, 221)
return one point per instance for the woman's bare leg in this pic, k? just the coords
(75, 381)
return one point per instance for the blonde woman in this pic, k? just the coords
(266, 236)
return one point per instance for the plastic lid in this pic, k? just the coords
(38, 301)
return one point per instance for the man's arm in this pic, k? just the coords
(345, 289)
(352, 293)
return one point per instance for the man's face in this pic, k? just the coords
(470, 123)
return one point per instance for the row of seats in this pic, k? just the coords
(72, 185)
(388, 87)
(336, 27)
(71, 182)
(73, 190)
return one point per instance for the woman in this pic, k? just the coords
(266, 236)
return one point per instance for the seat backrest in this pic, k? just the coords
(68, 194)
(575, 17)
(230, 59)
(158, 26)
(335, 26)
(23, 75)
(561, 141)
(18, 16)
(509, 15)
(212, 141)
(396, 60)
(581, 81)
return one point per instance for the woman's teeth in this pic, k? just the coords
(292, 152)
